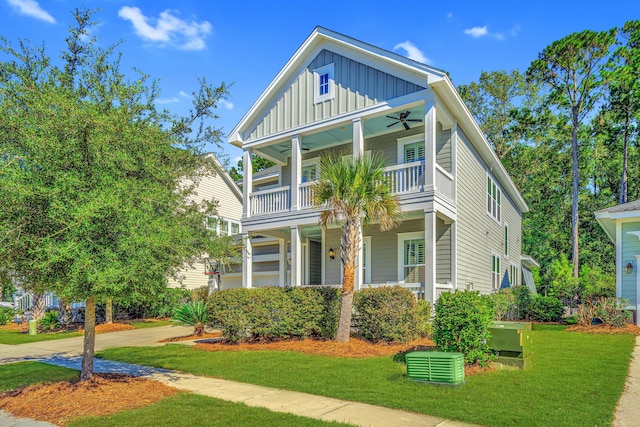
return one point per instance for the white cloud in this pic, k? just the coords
(412, 52)
(477, 32)
(449, 16)
(226, 104)
(168, 29)
(31, 8)
(185, 94)
(168, 100)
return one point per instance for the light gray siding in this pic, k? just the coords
(630, 247)
(478, 234)
(443, 148)
(356, 86)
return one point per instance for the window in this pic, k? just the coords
(413, 261)
(223, 227)
(309, 172)
(515, 275)
(506, 239)
(495, 271)
(323, 83)
(414, 152)
(494, 196)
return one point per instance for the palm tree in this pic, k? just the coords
(353, 191)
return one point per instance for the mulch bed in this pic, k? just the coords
(604, 329)
(103, 394)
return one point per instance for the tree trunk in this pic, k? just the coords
(574, 200)
(349, 246)
(65, 312)
(108, 311)
(89, 339)
(38, 308)
(344, 324)
(625, 159)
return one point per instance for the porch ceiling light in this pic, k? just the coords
(628, 269)
(332, 254)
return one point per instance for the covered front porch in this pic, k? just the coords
(419, 255)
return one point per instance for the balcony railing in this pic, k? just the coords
(444, 182)
(270, 201)
(405, 177)
(306, 195)
(402, 178)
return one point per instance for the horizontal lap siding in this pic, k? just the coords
(229, 206)
(630, 248)
(477, 233)
(443, 252)
(443, 148)
(356, 86)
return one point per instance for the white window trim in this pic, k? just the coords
(499, 189)
(327, 69)
(401, 142)
(493, 273)
(514, 268)
(401, 238)
(219, 219)
(506, 236)
(366, 241)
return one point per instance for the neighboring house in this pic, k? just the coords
(622, 225)
(219, 187)
(463, 214)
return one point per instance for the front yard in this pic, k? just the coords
(576, 379)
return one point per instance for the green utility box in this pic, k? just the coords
(33, 327)
(435, 367)
(511, 341)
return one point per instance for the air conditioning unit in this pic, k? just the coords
(436, 367)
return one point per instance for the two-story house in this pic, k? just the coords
(221, 188)
(462, 213)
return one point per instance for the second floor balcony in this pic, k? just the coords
(405, 178)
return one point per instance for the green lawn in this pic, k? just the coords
(15, 337)
(142, 324)
(576, 379)
(182, 409)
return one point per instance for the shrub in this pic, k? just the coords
(386, 314)
(594, 284)
(425, 323)
(545, 309)
(5, 315)
(522, 296)
(193, 313)
(462, 325)
(504, 303)
(328, 322)
(159, 305)
(228, 311)
(610, 311)
(49, 321)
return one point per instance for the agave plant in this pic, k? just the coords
(193, 313)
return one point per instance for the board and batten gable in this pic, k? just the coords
(356, 86)
(210, 187)
(478, 234)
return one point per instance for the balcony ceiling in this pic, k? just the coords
(343, 134)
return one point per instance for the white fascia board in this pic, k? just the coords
(448, 93)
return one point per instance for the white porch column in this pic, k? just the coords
(430, 142)
(296, 257)
(247, 182)
(247, 261)
(454, 158)
(358, 280)
(282, 251)
(430, 256)
(296, 172)
(454, 255)
(358, 138)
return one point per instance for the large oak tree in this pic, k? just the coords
(94, 179)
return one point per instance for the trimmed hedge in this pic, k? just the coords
(545, 309)
(386, 314)
(273, 313)
(462, 325)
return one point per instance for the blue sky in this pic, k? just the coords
(247, 42)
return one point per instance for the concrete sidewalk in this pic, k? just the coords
(303, 404)
(628, 410)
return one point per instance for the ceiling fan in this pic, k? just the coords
(285, 148)
(402, 118)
